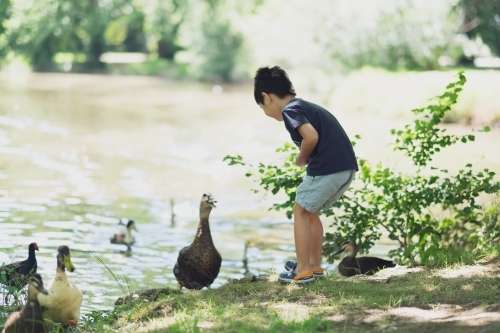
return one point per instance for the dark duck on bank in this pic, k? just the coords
(17, 274)
(30, 318)
(351, 265)
(199, 264)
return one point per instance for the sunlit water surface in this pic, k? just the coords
(79, 152)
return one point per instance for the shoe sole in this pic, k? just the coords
(289, 281)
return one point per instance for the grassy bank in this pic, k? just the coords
(462, 298)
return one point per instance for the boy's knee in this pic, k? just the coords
(299, 210)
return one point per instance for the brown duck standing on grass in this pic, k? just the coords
(199, 264)
(351, 265)
(18, 273)
(30, 318)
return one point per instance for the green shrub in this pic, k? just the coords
(400, 205)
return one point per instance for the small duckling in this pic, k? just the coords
(199, 264)
(351, 265)
(63, 302)
(125, 236)
(18, 273)
(30, 318)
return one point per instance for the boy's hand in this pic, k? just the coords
(300, 162)
(309, 141)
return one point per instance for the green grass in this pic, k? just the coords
(332, 304)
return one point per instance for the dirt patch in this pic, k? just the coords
(467, 271)
(443, 318)
(447, 318)
(292, 311)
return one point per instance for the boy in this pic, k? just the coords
(331, 165)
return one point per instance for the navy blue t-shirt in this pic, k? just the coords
(334, 152)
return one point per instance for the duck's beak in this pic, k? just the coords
(210, 199)
(134, 227)
(42, 289)
(339, 251)
(68, 264)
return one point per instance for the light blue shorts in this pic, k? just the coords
(321, 192)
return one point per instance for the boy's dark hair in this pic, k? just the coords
(272, 81)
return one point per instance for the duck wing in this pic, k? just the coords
(118, 238)
(28, 267)
(16, 274)
(349, 267)
(371, 265)
(194, 270)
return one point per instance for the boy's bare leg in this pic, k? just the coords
(316, 241)
(302, 235)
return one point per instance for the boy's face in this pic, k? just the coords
(271, 107)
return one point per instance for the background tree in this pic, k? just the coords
(42, 29)
(221, 43)
(125, 33)
(5, 11)
(166, 22)
(392, 34)
(334, 35)
(481, 18)
(135, 39)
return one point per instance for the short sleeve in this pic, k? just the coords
(294, 118)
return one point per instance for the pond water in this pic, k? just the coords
(78, 153)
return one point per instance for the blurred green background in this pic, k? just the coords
(226, 40)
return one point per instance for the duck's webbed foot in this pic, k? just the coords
(71, 322)
(179, 287)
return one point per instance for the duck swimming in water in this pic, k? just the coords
(125, 236)
(30, 318)
(199, 264)
(351, 265)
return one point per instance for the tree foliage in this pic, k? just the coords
(166, 22)
(334, 35)
(481, 18)
(426, 212)
(220, 48)
(41, 29)
(5, 11)
(394, 34)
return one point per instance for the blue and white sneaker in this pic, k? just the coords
(292, 264)
(288, 277)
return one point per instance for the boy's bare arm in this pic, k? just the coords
(309, 141)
